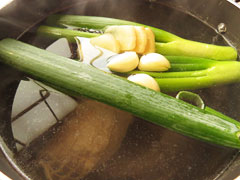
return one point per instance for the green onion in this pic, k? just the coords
(100, 23)
(195, 99)
(183, 63)
(167, 43)
(190, 73)
(57, 33)
(186, 73)
(77, 78)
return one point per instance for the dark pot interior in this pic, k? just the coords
(148, 151)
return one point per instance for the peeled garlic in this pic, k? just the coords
(145, 80)
(124, 62)
(153, 62)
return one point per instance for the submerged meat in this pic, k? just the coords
(88, 138)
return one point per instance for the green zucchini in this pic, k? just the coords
(77, 78)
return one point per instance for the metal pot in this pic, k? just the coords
(215, 21)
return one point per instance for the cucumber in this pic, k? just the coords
(77, 78)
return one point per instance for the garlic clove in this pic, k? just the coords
(106, 41)
(145, 80)
(124, 62)
(150, 46)
(125, 35)
(153, 62)
(141, 39)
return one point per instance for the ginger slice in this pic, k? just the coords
(106, 41)
(150, 46)
(125, 35)
(141, 39)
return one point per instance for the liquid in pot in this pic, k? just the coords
(96, 141)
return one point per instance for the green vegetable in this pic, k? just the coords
(189, 73)
(197, 101)
(81, 79)
(100, 23)
(57, 33)
(186, 73)
(167, 43)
